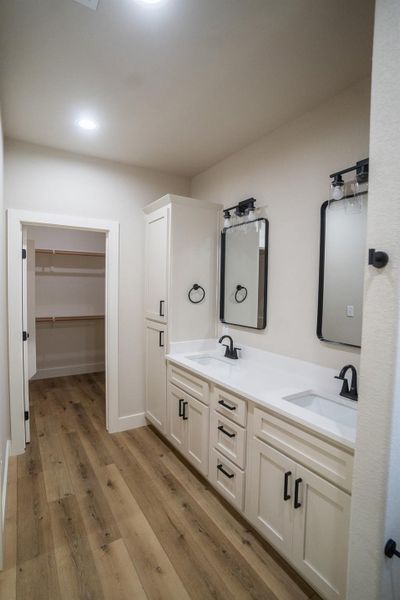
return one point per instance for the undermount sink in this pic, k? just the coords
(208, 360)
(330, 409)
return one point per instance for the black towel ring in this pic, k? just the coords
(239, 288)
(196, 287)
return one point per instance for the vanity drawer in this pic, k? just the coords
(227, 478)
(229, 438)
(186, 381)
(325, 459)
(229, 405)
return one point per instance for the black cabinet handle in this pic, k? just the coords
(231, 435)
(229, 475)
(161, 339)
(180, 412)
(297, 483)
(286, 495)
(184, 415)
(222, 403)
(162, 308)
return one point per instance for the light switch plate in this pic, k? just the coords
(350, 310)
(92, 4)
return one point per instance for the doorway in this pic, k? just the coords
(63, 310)
(44, 355)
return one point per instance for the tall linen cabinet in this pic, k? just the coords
(181, 251)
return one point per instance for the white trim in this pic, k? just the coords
(4, 483)
(131, 422)
(16, 219)
(69, 370)
(3, 500)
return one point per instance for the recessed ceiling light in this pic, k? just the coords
(87, 124)
(150, 1)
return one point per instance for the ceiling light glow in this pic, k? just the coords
(87, 124)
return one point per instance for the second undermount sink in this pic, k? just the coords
(325, 407)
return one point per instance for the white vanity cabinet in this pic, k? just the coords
(302, 514)
(188, 423)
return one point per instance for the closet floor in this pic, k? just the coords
(92, 515)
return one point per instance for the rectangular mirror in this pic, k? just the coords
(244, 260)
(341, 272)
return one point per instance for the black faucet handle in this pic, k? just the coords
(345, 386)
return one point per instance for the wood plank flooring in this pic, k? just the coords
(96, 516)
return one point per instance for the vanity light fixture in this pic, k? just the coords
(244, 210)
(337, 184)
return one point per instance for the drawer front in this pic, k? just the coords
(227, 478)
(196, 387)
(323, 458)
(231, 406)
(229, 438)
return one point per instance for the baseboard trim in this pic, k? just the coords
(4, 483)
(129, 422)
(69, 370)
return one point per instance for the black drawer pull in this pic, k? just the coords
(229, 475)
(297, 483)
(221, 428)
(162, 308)
(286, 495)
(180, 413)
(184, 415)
(161, 339)
(222, 403)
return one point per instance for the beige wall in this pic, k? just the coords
(376, 481)
(288, 173)
(4, 399)
(46, 180)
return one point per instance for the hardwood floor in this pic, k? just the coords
(97, 516)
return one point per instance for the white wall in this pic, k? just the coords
(288, 173)
(4, 398)
(376, 485)
(68, 285)
(42, 179)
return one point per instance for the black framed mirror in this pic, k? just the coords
(341, 270)
(244, 268)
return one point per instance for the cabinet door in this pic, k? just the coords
(196, 416)
(268, 508)
(176, 428)
(320, 534)
(156, 267)
(156, 374)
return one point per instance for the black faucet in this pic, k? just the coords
(352, 394)
(230, 351)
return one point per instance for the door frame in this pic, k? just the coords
(16, 220)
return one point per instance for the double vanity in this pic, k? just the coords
(273, 435)
(276, 440)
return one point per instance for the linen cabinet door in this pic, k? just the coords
(196, 417)
(156, 374)
(176, 429)
(270, 495)
(320, 533)
(156, 266)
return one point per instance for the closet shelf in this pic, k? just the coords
(68, 252)
(69, 318)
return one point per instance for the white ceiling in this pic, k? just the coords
(176, 86)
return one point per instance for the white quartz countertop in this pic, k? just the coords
(267, 379)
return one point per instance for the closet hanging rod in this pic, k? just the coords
(69, 318)
(68, 252)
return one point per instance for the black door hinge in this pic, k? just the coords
(25, 336)
(23, 253)
(27, 415)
